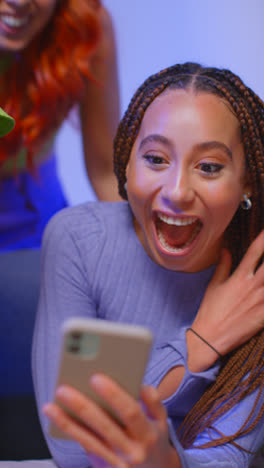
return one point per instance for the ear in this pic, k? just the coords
(127, 169)
(247, 192)
(247, 187)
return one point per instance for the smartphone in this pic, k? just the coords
(91, 346)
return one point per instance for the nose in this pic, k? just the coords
(177, 190)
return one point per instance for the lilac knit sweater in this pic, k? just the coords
(93, 265)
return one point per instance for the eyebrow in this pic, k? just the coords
(215, 145)
(208, 145)
(156, 137)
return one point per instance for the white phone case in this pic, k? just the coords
(92, 346)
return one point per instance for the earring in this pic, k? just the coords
(246, 203)
(125, 186)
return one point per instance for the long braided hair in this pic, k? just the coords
(242, 371)
(48, 77)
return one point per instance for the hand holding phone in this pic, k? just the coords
(91, 346)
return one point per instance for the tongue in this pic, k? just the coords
(177, 235)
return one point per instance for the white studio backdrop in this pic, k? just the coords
(154, 34)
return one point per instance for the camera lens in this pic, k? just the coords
(74, 349)
(76, 335)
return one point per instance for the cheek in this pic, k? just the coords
(140, 191)
(47, 5)
(136, 195)
(144, 186)
(141, 180)
(47, 9)
(223, 202)
(135, 181)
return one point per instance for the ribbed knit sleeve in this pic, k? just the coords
(173, 354)
(227, 455)
(66, 291)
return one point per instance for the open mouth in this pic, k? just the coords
(177, 233)
(13, 22)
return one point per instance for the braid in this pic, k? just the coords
(242, 371)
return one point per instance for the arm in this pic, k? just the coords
(230, 314)
(174, 377)
(66, 291)
(100, 112)
(187, 391)
(148, 443)
(232, 308)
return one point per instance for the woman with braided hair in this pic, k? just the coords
(182, 255)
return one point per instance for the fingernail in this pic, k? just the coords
(63, 392)
(97, 381)
(138, 455)
(46, 409)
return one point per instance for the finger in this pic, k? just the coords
(80, 434)
(97, 462)
(223, 268)
(128, 409)
(253, 255)
(151, 399)
(259, 272)
(97, 420)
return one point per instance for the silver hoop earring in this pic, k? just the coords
(246, 203)
(125, 186)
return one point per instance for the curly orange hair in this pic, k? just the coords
(47, 78)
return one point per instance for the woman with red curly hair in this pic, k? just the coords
(54, 55)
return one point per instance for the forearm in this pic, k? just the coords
(200, 355)
(186, 361)
(100, 114)
(105, 185)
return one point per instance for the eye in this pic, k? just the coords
(154, 160)
(210, 169)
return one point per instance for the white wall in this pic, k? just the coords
(153, 34)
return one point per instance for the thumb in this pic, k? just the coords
(223, 268)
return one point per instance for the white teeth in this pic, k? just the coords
(14, 22)
(177, 221)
